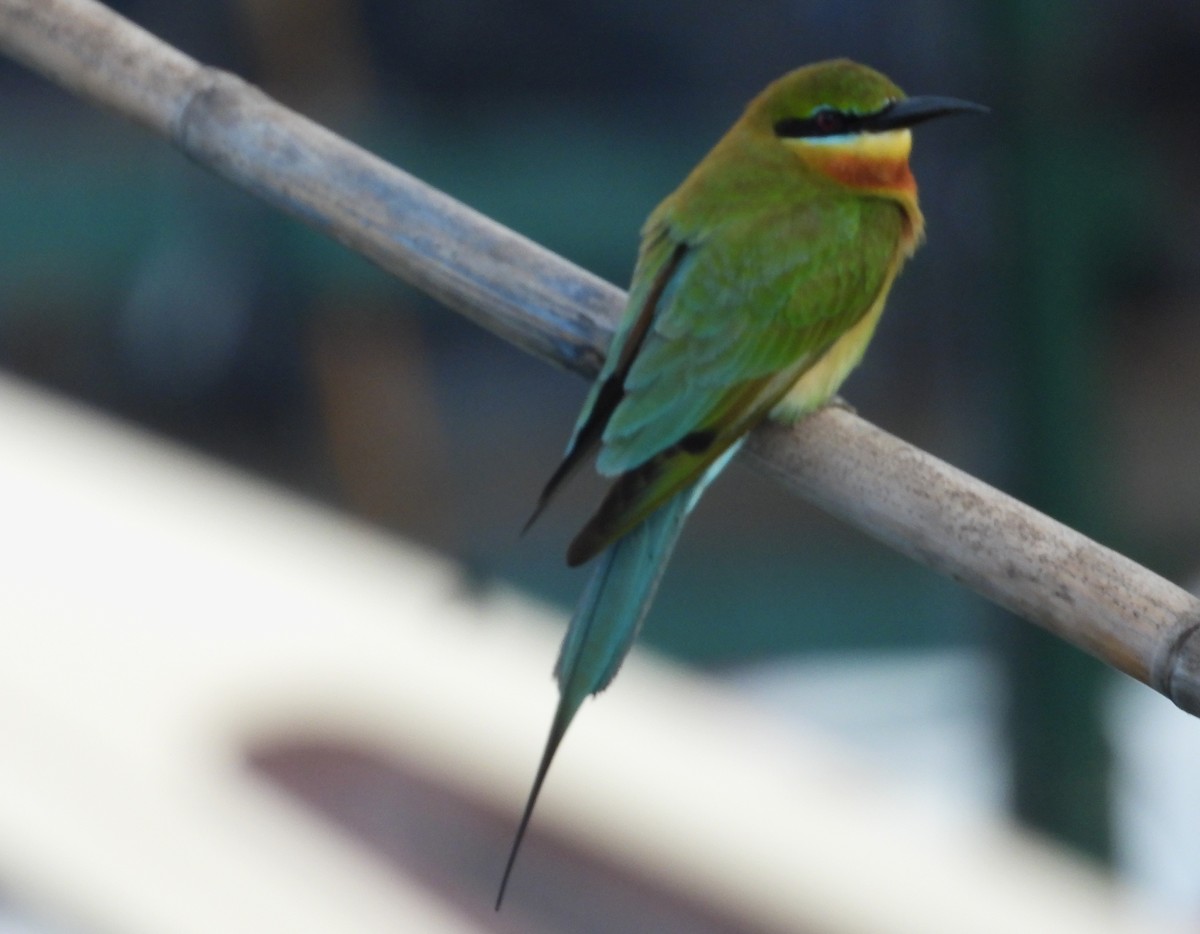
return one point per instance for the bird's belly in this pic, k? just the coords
(820, 381)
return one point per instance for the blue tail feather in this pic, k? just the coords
(607, 621)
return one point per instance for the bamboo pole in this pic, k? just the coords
(1087, 594)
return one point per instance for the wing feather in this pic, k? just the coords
(656, 267)
(736, 312)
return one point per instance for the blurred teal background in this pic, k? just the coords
(1046, 338)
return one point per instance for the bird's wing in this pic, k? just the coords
(730, 318)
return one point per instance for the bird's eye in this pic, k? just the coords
(829, 122)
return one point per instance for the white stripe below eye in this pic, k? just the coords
(841, 139)
(890, 144)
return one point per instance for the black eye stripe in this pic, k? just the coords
(825, 122)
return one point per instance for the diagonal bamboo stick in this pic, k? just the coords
(1081, 591)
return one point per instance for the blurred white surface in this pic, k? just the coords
(1156, 807)
(161, 612)
(929, 720)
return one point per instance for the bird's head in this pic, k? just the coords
(848, 122)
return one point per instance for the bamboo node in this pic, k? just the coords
(1175, 668)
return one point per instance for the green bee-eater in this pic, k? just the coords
(758, 285)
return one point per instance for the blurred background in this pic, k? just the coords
(1045, 339)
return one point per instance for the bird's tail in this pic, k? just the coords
(607, 621)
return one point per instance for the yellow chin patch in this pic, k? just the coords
(890, 144)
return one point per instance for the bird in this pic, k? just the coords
(758, 284)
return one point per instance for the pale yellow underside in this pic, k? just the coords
(822, 380)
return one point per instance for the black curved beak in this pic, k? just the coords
(914, 110)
